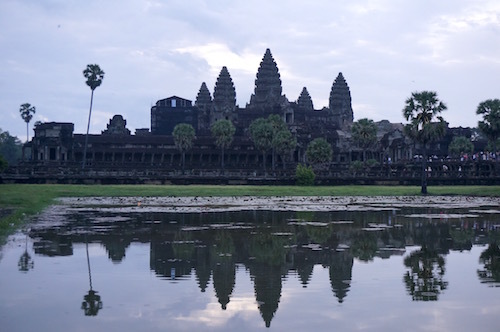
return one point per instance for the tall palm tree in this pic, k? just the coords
(284, 143)
(278, 125)
(94, 76)
(425, 125)
(490, 126)
(261, 133)
(184, 136)
(27, 112)
(223, 131)
(364, 133)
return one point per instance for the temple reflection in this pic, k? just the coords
(275, 246)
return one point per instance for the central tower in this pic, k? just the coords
(267, 93)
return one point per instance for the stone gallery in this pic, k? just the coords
(153, 149)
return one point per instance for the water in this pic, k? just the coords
(79, 267)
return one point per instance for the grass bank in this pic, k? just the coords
(18, 201)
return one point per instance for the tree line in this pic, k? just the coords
(422, 111)
(425, 125)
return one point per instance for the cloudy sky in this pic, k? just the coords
(151, 50)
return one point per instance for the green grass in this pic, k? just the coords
(25, 200)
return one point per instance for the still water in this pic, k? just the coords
(79, 267)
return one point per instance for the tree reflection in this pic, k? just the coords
(272, 246)
(424, 281)
(490, 258)
(183, 246)
(25, 263)
(364, 245)
(268, 248)
(92, 301)
(319, 233)
(462, 238)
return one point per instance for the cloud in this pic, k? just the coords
(219, 55)
(153, 49)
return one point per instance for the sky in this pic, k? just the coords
(150, 50)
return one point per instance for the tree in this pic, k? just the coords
(319, 151)
(261, 133)
(284, 143)
(27, 112)
(364, 134)
(3, 164)
(490, 125)
(304, 175)
(184, 136)
(94, 76)
(223, 132)
(10, 148)
(425, 125)
(278, 125)
(459, 145)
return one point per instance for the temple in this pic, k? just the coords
(152, 150)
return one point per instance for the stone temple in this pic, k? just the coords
(267, 99)
(153, 149)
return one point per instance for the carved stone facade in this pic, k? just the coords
(170, 111)
(340, 102)
(224, 103)
(117, 126)
(53, 141)
(267, 85)
(155, 148)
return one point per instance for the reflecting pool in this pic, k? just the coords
(140, 264)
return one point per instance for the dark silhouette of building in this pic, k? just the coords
(56, 148)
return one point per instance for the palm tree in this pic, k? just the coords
(284, 143)
(94, 76)
(261, 133)
(425, 125)
(364, 134)
(184, 136)
(278, 125)
(490, 126)
(223, 131)
(27, 112)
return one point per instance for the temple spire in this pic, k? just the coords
(203, 99)
(224, 102)
(204, 104)
(305, 101)
(340, 102)
(268, 89)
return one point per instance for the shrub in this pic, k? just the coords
(372, 163)
(357, 165)
(304, 175)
